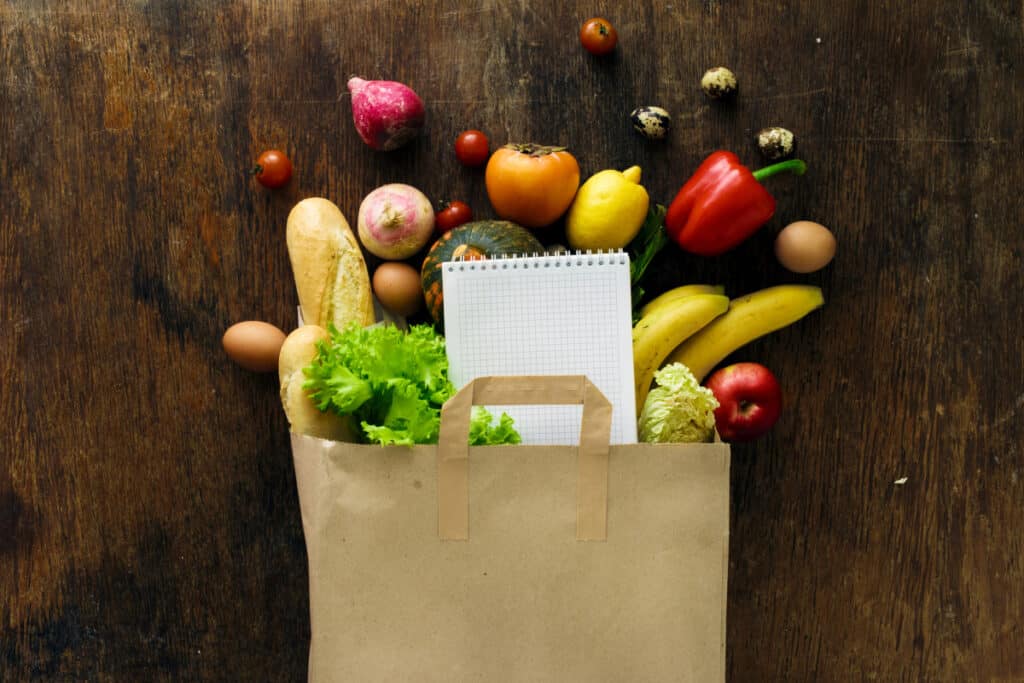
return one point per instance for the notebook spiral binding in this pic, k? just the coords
(567, 259)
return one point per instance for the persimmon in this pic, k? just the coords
(532, 185)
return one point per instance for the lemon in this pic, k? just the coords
(608, 211)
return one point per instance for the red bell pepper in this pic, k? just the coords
(722, 204)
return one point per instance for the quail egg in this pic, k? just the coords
(719, 83)
(651, 122)
(775, 143)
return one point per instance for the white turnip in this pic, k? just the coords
(387, 114)
(395, 221)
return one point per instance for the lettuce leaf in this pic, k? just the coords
(394, 384)
(482, 433)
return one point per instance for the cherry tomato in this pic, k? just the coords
(598, 36)
(531, 184)
(452, 215)
(472, 148)
(273, 169)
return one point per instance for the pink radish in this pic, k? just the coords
(387, 114)
(395, 221)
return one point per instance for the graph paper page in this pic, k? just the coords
(545, 315)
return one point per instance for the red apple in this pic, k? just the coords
(750, 400)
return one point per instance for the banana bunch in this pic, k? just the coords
(665, 323)
(699, 326)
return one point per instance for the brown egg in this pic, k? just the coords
(805, 246)
(254, 345)
(398, 288)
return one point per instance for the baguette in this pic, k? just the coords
(330, 273)
(297, 352)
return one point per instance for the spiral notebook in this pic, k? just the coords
(545, 315)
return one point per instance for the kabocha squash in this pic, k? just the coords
(474, 241)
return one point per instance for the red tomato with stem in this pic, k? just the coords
(472, 148)
(273, 169)
(598, 36)
(452, 215)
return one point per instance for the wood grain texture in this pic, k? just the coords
(149, 527)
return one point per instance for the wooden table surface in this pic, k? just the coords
(149, 525)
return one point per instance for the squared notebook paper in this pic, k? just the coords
(566, 314)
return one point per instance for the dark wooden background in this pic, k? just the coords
(149, 526)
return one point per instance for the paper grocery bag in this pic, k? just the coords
(516, 563)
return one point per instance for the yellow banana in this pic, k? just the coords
(749, 317)
(658, 333)
(671, 295)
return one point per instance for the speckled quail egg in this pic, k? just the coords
(651, 122)
(719, 83)
(775, 143)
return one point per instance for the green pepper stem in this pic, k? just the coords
(792, 165)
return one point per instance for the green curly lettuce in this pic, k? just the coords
(393, 383)
(483, 433)
(679, 409)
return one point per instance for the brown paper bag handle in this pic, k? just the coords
(592, 453)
